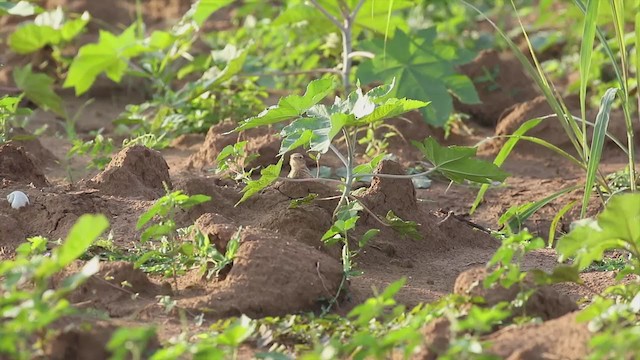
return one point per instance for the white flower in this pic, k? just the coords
(18, 199)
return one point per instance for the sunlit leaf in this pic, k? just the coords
(293, 105)
(617, 227)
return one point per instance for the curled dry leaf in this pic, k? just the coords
(18, 199)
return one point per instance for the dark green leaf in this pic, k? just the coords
(424, 69)
(39, 89)
(457, 163)
(268, 175)
(404, 227)
(370, 234)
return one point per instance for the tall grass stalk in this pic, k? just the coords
(589, 152)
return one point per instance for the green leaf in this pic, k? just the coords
(292, 105)
(373, 16)
(268, 175)
(370, 234)
(47, 29)
(202, 9)
(154, 210)
(194, 200)
(597, 144)
(424, 69)
(296, 203)
(457, 163)
(404, 227)
(617, 227)
(517, 215)
(72, 28)
(146, 257)
(31, 37)
(391, 108)
(110, 56)
(82, 234)
(560, 274)
(156, 231)
(39, 89)
(503, 154)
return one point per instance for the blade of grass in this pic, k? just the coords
(556, 103)
(586, 52)
(502, 156)
(517, 215)
(597, 144)
(555, 99)
(604, 44)
(637, 26)
(556, 219)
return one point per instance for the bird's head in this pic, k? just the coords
(297, 161)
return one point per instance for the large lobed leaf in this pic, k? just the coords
(617, 227)
(109, 56)
(457, 163)
(39, 89)
(292, 106)
(424, 69)
(50, 28)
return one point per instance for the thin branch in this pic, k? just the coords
(291, 73)
(355, 11)
(311, 180)
(326, 13)
(376, 217)
(392, 176)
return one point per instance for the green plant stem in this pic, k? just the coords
(293, 73)
(349, 178)
(338, 154)
(393, 176)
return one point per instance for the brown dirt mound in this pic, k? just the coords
(17, 166)
(264, 141)
(561, 338)
(437, 335)
(107, 291)
(135, 171)
(550, 129)
(546, 302)
(272, 275)
(87, 341)
(40, 155)
(386, 194)
(500, 82)
(11, 235)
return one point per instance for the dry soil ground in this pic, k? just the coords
(282, 267)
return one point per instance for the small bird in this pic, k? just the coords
(299, 169)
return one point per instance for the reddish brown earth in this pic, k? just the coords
(282, 266)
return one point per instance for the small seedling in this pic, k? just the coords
(164, 234)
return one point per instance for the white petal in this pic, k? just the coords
(18, 199)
